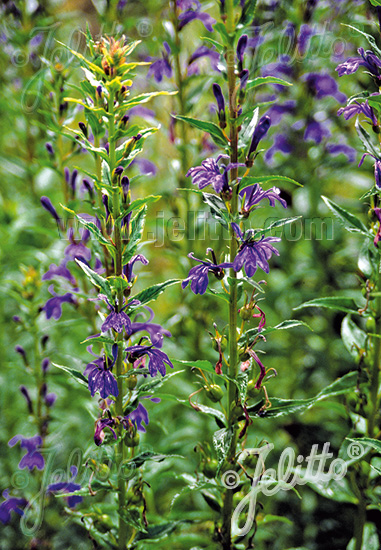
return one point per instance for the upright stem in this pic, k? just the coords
(233, 302)
(123, 528)
(375, 373)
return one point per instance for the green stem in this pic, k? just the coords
(233, 301)
(375, 372)
(123, 528)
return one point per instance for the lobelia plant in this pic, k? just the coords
(361, 326)
(235, 380)
(128, 348)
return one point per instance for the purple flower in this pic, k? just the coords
(198, 276)
(127, 269)
(101, 424)
(100, 376)
(47, 204)
(276, 112)
(117, 319)
(203, 51)
(68, 487)
(157, 358)
(253, 254)
(305, 35)
(281, 144)
(259, 133)
(11, 504)
(156, 332)
(59, 271)
(188, 16)
(323, 85)
(356, 108)
(220, 102)
(77, 249)
(252, 195)
(335, 149)
(315, 131)
(368, 60)
(280, 69)
(209, 173)
(140, 414)
(53, 307)
(33, 458)
(161, 67)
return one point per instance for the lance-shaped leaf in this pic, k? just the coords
(74, 373)
(138, 204)
(260, 80)
(135, 236)
(353, 337)
(248, 337)
(211, 128)
(96, 279)
(347, 220)
(366, 140)
(281, 407)
(248, 180)
(94, 230)
(337, 303)
(144, 98)
(151, 293)
(369, 38)
(83, 61)
(248, 12)
(275, 225)
(221, 442)
(366, 443)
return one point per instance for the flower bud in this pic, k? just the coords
(214, 392)
(220, 105)
(49, 148)
(131, 382)
(259, 133)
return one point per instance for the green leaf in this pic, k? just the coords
(348, 220)
(132, 517)
(215, 131)
(94, 230)
(248, 337)
(260, 80)
(219, 47)
(218, 415)
(366, 139)
(146, 456)
(101, 339)
(336, 490)
(152, 292)
(249, 180)
(221, 442)
(276, 224)
(353, 337)
(270, 518)
(281, 407)
(217, 208)
(369, 38)
(375, 2)
(144, 98)
(368, 442)
(157, 532)
(137, 204)
(370, 539)
(96, 280)
(202, 364)
(248, 12)
(337, 303)
(137, 227)
(368, 259)
(76, 374)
